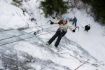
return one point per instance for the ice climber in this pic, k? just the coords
(61, 31)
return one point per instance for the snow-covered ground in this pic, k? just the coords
(75, 48)
(92, 41)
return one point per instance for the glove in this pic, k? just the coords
(73, 30)
(51, 22)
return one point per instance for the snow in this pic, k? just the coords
(12, 17)
(1, 66)
(43, 54)
(92, 41)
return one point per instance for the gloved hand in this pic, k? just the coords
(51, 22)
(73, 30)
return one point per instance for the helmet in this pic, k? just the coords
(65, 18)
